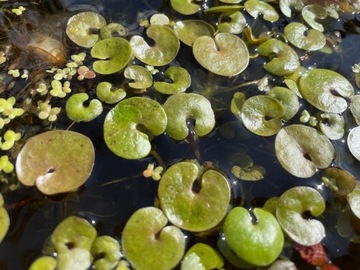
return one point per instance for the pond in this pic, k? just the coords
(193, 134)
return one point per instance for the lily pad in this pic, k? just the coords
(333, 125)
(257, 242)
(237, 103)
(326, 90)
(204, 255)
(192, 199)
(115, 53)
(183, 106)
(301, 150)
(148, 244)
(312, 12)
(109, 94)
(4, 219)
(354, 201)
(142, 78)
(107, 249)
(286, 5)
(164, 50)
(80, 28)
(185, 7)
(180, 81)
(256, 7)
(130, 125)
(262, 115)
(355, 108)
(287, 98)
(78, 112)
(111, 30)
(233, 22)
(225, 54)
(353, 142)
(302, 37)
(283, 59)
(345, 182)
(55, 161)
(44, 263)
(189, 30)
(291, 206)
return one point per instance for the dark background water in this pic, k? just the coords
(108, 206)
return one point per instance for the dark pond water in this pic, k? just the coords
(108, 206)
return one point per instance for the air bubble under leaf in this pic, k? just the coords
(302, 37)
(189, 30)
(353, 142)
(326, 90)
(55, 161)
(283, 59)
(186, 7)
(301, 150)
(80, 28)
(180, 81)
(256, 7)
(78, 112)
(225, 54)
(192, 199)
(164, 50)
(180, 107)
(291, 206)
(115, 53)
(140, 76)
(312, 12)
(130, 125)
(4, 219)
(257, 243)
(148, 244)
(262, 115)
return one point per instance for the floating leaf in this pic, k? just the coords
(191, 199)
(148, 244)
(44, 263)
(107, 249)
(355, 108)
(237, 103)
(130, 125)
(301, 37)
(183, 106)
(4, 219)
(163, 52)
(286, 5)
(142, 78)
(233, 22)
(224, 8)
(72, 240)
(312, 12)
(225, 54)
(106, 93)
(55, 161)
(115, 53)
(353, 142)
(112, 29)
(231, 1)
(261, 115)
(159, 19)
(333, 126)
(205, 256)
(78, 112)
(185, 7)
(326, 90)
(256, 7)
(354, 201)
(301, 150)
(80, 28)
(283, 59)
(189, 30)
(292, 204)
(180, 81)
(345, 182)
(287, 98)
(256, 242)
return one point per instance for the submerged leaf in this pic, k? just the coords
(345, 182)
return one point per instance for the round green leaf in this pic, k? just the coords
(286, 5)
(301, 150)
(354, 201)
(225, 54)
(142, 78)
(206, 256)
(180, 107)
(287, 98)
(256, 7)
(163, 52)
(193, 200)
(312, 12)
(55, 161)
(189, 30)
(353, 142)
(261, 115)
(256, 242)
(130, 124)
(344, 181)
(78, 112)
(233, 22)
(285, 61)
(44, 263)
(4, 219)
(108, 250)
(292, 204)
(332, 126)
(185, 7)
(326, 89)
(148, 244)
(355, 108)
(110, 29)
(180, 81)
(80, 28)
(300, 36)
(115, 53)
(106, 93)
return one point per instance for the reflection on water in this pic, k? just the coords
(109, 206)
